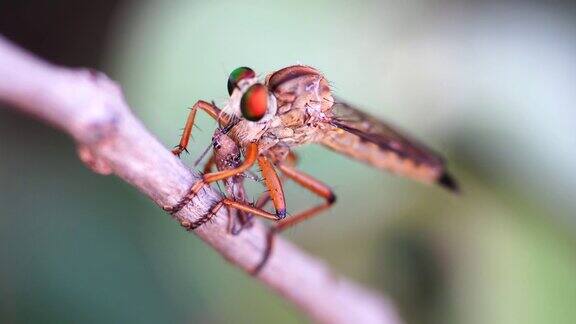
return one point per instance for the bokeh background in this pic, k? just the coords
(491, 84)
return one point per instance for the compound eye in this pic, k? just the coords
(237, 75)
(254, 102)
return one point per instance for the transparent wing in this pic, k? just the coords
(375, 142)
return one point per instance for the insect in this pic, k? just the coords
(266, 119)
(227, 156)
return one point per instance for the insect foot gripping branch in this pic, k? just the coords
(189, 226)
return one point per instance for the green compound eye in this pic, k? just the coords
(238, 74)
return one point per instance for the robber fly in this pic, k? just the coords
(266, 119)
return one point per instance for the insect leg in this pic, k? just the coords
(274, 185)
(250, 158)
(264, 198)
(314, 186)
(251, 155)
(202, 220)
(209, 108)
(229, 203)
(249, 209)
(309, 183)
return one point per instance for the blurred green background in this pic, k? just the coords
(490, 84)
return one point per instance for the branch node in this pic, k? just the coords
(92, 162)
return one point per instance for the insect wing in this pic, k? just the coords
(371, 140)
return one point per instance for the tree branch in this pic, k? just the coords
(91, 108)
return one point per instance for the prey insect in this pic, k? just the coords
(226, 156)
(266, 119)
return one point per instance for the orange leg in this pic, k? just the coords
(274, 185)
(251, 155)
(250, 158)
(264, 198)
(271, 180)
(275, 193)
(207, 169)
(231, 204)
(309, 183)
(244, 219)
(209, 108)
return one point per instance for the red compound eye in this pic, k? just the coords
(254, 102)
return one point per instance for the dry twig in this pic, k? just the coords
(90, 107)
